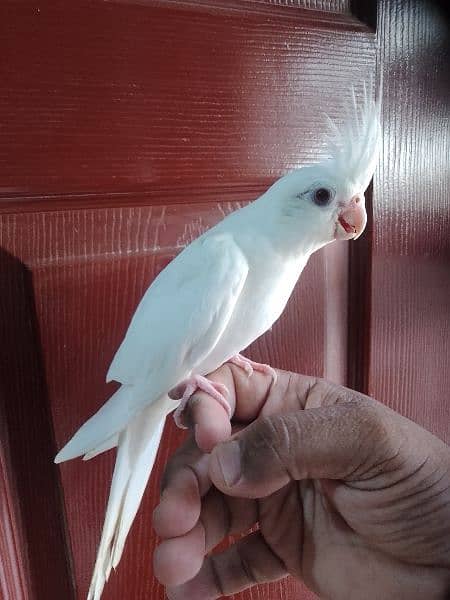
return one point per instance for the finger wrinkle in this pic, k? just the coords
(376, 440)
(187, 454)
(201, 492)
(285, 434)
(256, 450)
(309, 400)
(271, 546)
(273, 383)
(301, 517)
(303, 403)
(227, 516)
(215, 573)
(262, 578)
(249, 573)
(380, 467)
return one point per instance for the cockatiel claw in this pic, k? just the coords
(250, 365)
(217, 391)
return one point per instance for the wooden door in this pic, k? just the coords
(126, 129)
(408, 364)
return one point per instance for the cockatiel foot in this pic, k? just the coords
(217, 391)
(250, 365)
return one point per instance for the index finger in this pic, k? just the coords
(208, 420)
(249, 396)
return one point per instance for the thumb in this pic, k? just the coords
(331, 442)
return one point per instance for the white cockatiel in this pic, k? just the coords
(216, 297)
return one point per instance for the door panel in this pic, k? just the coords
(122, 98)
(409, 362)
(127, 129)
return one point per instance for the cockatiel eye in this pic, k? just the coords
(322, 196)
(318, 195)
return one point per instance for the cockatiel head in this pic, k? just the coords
(328, 197)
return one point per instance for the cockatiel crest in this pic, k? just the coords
(354, 147)
(215, 298)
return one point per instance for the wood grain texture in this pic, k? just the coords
(322, 5)
(127, 129)
(30, 479)
(14, 574)
(410, 349)
(177, 96)
(327, 5)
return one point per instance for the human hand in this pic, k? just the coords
(349, 496)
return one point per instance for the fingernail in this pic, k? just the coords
(229, 457)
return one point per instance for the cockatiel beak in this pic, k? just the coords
(351, 219)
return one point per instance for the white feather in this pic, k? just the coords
(355, 144)
(108, 444)
(138, 446)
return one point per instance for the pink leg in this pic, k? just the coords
(218, 391)
(249, 366)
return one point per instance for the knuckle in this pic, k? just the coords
(373, 422)
(379, 438)
(265, 436)
(269, 445)
(184, 456)
(217, 574)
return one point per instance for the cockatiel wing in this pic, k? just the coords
(183, 313)
(178, 322)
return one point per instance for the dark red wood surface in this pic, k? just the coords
(409, 361)
(35, 544)
(126, 129)
(105, 97)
